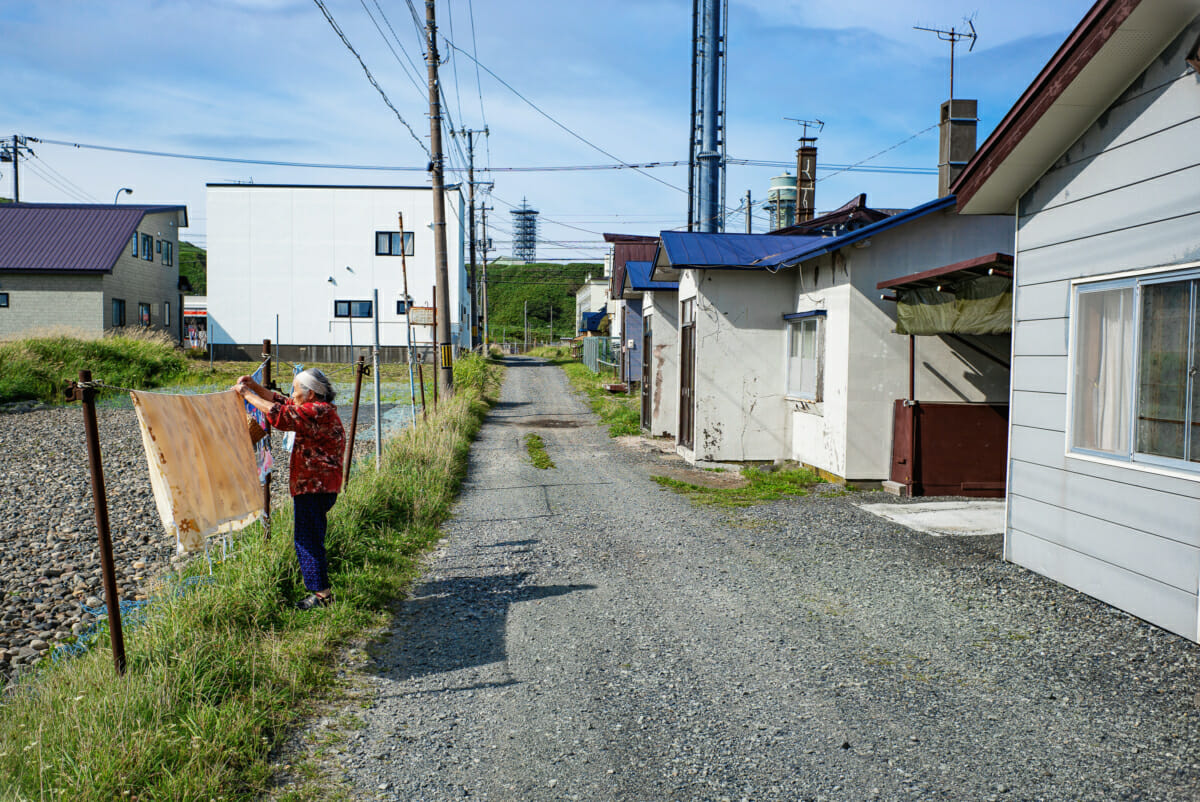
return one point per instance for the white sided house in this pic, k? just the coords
(309, 258)
(1098, 161)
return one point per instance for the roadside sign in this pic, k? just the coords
(421, 315)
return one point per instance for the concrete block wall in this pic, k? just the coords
(40, 301)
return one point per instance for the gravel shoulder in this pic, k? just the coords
(583, 634)
(49, 560)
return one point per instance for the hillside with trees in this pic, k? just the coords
(545, 286)
(193, 265)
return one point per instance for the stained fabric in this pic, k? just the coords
(316, 465)
(981, 305)
(202, 466)
(311, 522)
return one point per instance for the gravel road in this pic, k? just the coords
(49, 561)
(583, 634)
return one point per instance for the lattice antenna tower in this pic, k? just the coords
(954, 36)
(524, 223)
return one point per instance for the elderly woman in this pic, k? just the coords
(316, 466)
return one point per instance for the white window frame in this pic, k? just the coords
(1129, 456)
(815, 321)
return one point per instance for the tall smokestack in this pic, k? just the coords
(956, 143)
(806, 179)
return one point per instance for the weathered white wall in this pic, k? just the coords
(272, 249)
(662, 310)
(819, 428)
(740, 410)
(1124, 197)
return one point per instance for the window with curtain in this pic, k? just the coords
(804, 357)
(387, 243)
(1136, 356)
(148, 247)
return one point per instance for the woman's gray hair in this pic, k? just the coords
(317, 382)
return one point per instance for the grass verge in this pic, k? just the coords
(620, 412)
(760, 487)
(37, 368)
(217, 677)
(537, 451)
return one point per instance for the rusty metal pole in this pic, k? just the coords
(359, 368)
(111, 600)
(266, 485)
(912, 414)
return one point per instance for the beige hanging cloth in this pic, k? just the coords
(202, 465)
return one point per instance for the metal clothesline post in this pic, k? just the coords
(86, 393)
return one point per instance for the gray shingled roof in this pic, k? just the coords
(83, 238)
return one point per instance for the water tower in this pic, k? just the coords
(781, 201)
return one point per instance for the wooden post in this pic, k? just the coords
(266, 485)
(359, 368)
(111, 599)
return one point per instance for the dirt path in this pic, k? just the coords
(584, 634)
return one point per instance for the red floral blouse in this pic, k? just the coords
(316, 465)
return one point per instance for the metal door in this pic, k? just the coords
(687, 382)
(646, 373)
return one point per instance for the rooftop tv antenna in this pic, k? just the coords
(953, 36)
(817, 124)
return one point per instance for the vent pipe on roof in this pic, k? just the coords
(957, 140)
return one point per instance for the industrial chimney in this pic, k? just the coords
(957, 140)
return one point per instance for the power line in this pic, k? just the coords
(580, 137)
(370, 77)
(405, 69)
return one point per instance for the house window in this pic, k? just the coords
(352, 309)
(158, 245)
(168, 253)
(401, 307)
(1135, 355)
(133, 245)
(3, 300)
(804, 355)
(143, 314)
(148, 247)
(118, 312)
(166, 313)
(387, 243)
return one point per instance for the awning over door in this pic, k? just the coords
(969, 297)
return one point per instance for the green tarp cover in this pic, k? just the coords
(980, 305)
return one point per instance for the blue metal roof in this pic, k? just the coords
(638, 278)
(688, 249)
(823, 245)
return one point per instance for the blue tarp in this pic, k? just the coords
(592, 320)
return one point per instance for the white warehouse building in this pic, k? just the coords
(299, 264)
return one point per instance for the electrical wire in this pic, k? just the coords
(370, 77)
(404, 68)
(83, 192)
(578, 136)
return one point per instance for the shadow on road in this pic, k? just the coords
(457, 623)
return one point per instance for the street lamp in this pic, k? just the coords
(126, 190)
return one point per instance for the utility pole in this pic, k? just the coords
(483, 210)
(749, 217)
(471, 276)
(12, 153)
(526, 337)
(441, 300)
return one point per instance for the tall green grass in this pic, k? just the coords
(37, 368)
(620, 412)
(217, 677)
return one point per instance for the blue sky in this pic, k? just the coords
(270, 80)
